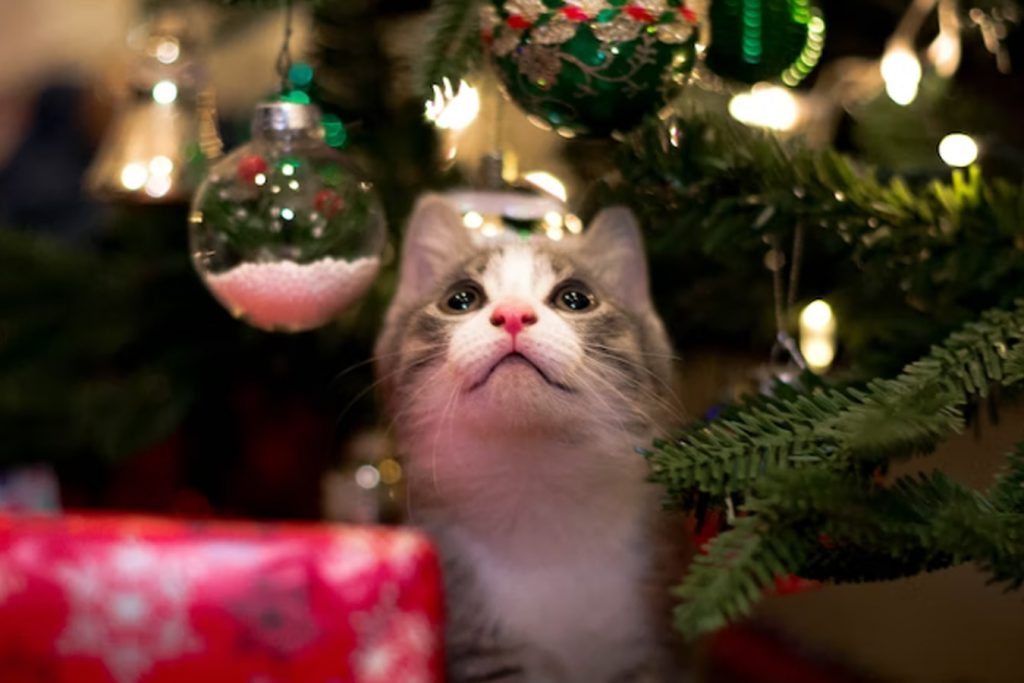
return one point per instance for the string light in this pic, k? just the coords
(818, 335)
(573, 224)
(167, 51)
(811, 54)
(452, 109)
(548, 183)
(766, 106)
(165, 92)
(158, 185)
(133, 176)
(958, 150)
(367, 477)
(161, 165)
(901, 71)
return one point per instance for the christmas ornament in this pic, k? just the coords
(590, 66)
(156, 148)
(758, 40)
(283, 233)
(513, 214)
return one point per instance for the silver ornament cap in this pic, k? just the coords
(274, 119)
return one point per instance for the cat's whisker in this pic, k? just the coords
(372, 386)
(676, 358)
(641, 413)
(609, 351)
(673, 403)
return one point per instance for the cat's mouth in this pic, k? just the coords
(517, 358)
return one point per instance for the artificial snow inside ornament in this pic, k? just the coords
(282, 232)
(590, 66)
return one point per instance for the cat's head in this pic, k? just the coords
(531, 336)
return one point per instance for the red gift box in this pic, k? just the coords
(137, 600)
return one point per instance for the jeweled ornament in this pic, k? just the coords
(590, 66)
(284, 234)
(759, 40)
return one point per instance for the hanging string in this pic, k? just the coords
(784, 301)
(284, 58)
(794, 269)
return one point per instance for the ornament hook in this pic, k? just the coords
(284, 57)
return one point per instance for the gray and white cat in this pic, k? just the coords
(521, 376)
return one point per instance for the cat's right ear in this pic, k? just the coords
(434, 241)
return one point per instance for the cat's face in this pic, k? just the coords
(524, 337)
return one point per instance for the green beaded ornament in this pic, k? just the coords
(759, 40)
(590, 66)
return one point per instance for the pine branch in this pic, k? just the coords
(841, 527)
(846, 430)
(740, 564)
(903, 263)
(454, 46)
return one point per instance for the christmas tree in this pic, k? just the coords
(824, 183)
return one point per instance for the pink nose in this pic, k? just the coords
(513, 316)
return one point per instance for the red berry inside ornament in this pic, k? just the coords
(328, 203)
(251, 166)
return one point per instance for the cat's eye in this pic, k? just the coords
(573, 297)
(463, 298)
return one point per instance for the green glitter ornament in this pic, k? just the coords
(590, 66)
(760, 40)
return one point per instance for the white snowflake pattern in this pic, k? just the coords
(405, 551)
(128, 608)
(395, 646)
(355, 556)
(12, 581)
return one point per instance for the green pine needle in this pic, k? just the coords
(454, 46)
(842, 429)
(740, 564)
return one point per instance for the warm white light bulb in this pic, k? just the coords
(367, 477)
(161, 165)
(958, 150)
(818, 335)
(167, 51)
(165, 92)
(573, 224)
(945, 54)
(450, 109)
(901, 71)
(158, 185)
(547, 182)
(817, 316)
(766, 106)
(133, 176)
(473, 220)
(553, 220)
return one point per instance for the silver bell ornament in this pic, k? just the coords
(157, 146)
(282, 231)
(496, 211)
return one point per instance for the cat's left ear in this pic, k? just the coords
(434, 241)
(614, 247)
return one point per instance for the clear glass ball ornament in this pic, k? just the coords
(283, 233)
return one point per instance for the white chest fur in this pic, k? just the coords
(556, 540)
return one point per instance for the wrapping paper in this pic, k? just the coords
(138, 600)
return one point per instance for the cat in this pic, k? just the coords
(521, 376)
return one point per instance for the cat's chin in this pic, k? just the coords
(515, 372)
(514, 396)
